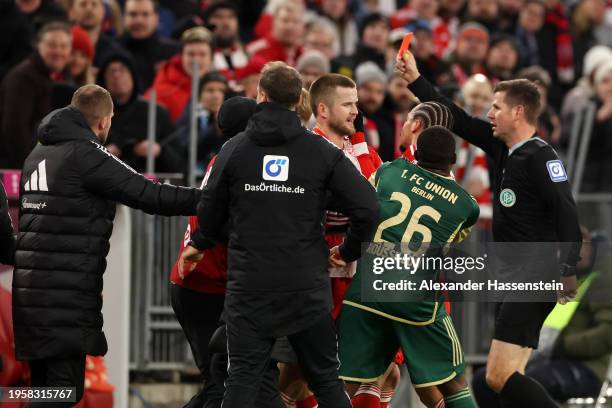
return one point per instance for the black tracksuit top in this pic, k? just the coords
(270, 184)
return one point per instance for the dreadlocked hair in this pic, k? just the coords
(433, 114)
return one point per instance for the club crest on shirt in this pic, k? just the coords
(556, 171)
(507, 198)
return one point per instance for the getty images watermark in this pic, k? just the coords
(481, 272)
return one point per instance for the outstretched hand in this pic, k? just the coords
(407, 67)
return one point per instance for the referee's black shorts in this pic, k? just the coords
(520, 322)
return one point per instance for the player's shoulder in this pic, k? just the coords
(539, 151)
(546, 162)
(538, 147)
(384, 169)
(398, 164)
(326, 149)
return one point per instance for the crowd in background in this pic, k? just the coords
(465, 47)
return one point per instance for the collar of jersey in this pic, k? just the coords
(519, 144)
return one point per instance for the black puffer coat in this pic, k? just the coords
(69, 186)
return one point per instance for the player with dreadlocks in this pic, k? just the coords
(421, 117)
(371, 331)
(369, 394)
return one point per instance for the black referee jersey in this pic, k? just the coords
(531, 194)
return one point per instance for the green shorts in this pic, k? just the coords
(368, 343)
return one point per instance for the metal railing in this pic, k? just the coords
(157, 339)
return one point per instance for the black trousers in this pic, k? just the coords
(249, 358)
(198, 314)
(268, 395)
(58, 372)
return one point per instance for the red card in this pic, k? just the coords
(405, 44)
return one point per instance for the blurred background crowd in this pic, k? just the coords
(144, 50)
(131, 47)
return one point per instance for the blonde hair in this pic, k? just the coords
(303, 108)
(196, 35)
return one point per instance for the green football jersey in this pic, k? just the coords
(416, 207)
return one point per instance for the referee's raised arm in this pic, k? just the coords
(474, 130)
(532, 204)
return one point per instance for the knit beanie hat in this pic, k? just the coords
(82, 42)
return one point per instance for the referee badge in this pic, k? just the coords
(507, 198)
(556, 171)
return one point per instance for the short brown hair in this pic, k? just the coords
(322, 90)
(522, 92)
(53, 26)
(281, 83)
(94, 102)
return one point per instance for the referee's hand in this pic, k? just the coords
(568, 293)
(406, 67)
(188, 260)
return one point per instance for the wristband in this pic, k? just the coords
(567, 270)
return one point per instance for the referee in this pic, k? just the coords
(533, 203)
(270, 185)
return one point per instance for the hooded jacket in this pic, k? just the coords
(130, 125)
(69, 186)
(270, 184)
(148, 52)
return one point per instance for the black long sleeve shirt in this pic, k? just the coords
(532, 197)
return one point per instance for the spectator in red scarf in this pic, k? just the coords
(229, 54)
(557, 56)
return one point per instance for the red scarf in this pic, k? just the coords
(409, 154)
(565, 59)
(357, 147)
